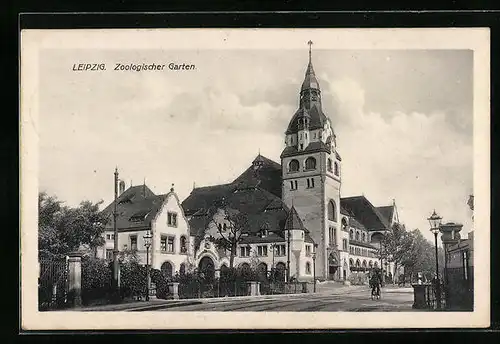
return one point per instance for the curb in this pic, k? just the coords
(164, 305)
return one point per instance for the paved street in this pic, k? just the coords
(330, 297)
(355, 301)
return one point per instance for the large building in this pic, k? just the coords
(292, 210)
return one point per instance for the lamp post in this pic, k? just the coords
(273, 247)
(435, 223)
(288, 257)
(147, 244)
(314, 265)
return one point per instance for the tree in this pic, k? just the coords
(63, 229)
(396, 245)
(421, 256)
(230, 236)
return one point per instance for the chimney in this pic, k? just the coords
(122, 187)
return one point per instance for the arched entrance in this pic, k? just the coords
(206, 267)
(167, 269)
(262, 270)
(280, 272)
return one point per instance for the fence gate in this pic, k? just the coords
(52, 283)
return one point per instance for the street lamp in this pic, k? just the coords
(147, 244)
(273, 248)
(435, 223)
(314, 265)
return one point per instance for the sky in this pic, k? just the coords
(403, 121)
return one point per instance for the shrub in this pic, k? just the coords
(96, 280)
(358, 278)
(132, 280)
(161, 282)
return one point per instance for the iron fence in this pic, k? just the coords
(199, 289)
(431, 296)
(53, 284)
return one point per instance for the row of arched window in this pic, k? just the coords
(363, 265)
(361, 251)
(310, 164)
(358, 236)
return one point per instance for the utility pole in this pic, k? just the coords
(116, 265)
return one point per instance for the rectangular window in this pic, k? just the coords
(133, 242)
(172, 219)
(170, 244)
(331, 236)
(109, 254)
(163, 243)
(308, 250)
(108, 236)
(280, 250)
(344, 244)
(245, 251)
(262, 251)
(312, 182)
(293, 185)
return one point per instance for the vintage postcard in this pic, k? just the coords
(255, 178)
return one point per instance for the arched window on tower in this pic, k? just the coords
(357, 236)
(332, 211)
(293, 166)
(310, 163)
(337, 171)
(329, 165)
(350, 234)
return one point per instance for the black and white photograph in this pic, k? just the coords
(256, 178)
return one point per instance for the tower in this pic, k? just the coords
(311, 173)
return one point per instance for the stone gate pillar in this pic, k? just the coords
(75, 278)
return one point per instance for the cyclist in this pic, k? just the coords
(375, 282)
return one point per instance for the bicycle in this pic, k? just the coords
(375, 294)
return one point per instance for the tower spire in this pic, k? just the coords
(310, 45)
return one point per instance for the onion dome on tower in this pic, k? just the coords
(309, 104)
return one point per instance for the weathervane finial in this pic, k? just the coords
(310, 45)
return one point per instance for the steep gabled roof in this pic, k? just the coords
(131, 195)
(293, 220)
(263, 172)
(136, 207)
(204, 197)
(387, 212)
(365, 213)
(259, 205)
